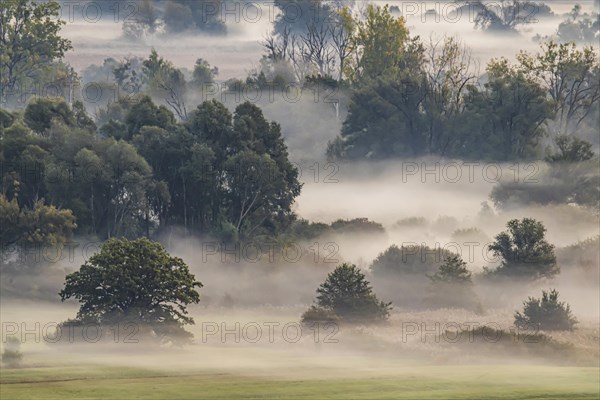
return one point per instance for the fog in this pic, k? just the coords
(239, 51)
(442, 195)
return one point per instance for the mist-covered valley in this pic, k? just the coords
(362, 200)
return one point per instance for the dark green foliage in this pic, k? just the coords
(524, 251)
(546, 313)
(82, 119)
(318, 315)
(41, 225)
(571, 149)
(218, 173)
(6, 119)
(43, 112)
(411, 260)
(133, 281)
(384, 121)
(22, 151)
(204, 74)
(349, 295)
(358, 226)
(223, 170)
(504, 120)
(145, 113)
(469, 235)
(303, 229)
(453, 270)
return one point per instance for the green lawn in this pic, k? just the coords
(436, 382)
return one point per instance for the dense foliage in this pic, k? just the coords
(546, 313)
(133, 281)
(524, 251)
(145, 171)
(349, 295)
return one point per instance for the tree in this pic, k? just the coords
(504, 121)
(453, 270)
(144, 21)
(451, 286)
(546, 313)
(41, 113)
(450, 71)
(561, 182)
(571, 150)
(41, 225)
(167, 81)
(341, 37)
(579, 27)
(503, 16)
(201, 15)
(204, 74)
(82, 119)
(23, 154)
(385, 120)
(129, 75)
(572, 78)
(409, 260)
(109, 187)
(349, 295)
(29, 39)
(298, 15)
(380, 42)
(524, 250)
(134, 281)
(145, 113)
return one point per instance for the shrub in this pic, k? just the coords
(319, 315)
(411, 222)
(451, 286)
(12, 356)
(409, 260)
(349, 295)
(357, 225)
(546, 313)
(524, 250)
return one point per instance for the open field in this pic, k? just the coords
(422, 382)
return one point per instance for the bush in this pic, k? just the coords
(470, 235)
(349, 295)
(525, 251)
(357, 225)
(582, 255)
(409, 260)
(411, 222)
(451, 286)
(12, 356)
(546, 313)
(319, 315)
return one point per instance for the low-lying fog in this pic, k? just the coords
(240, 50)
(389, 193)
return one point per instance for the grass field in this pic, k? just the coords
(422, 382)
